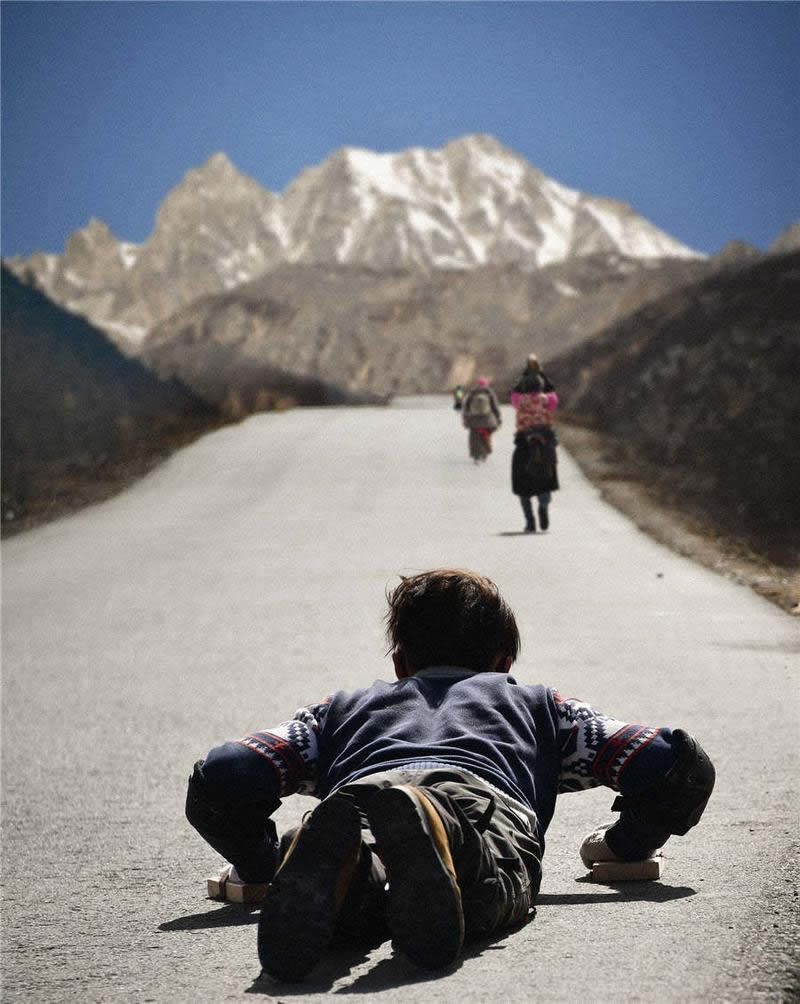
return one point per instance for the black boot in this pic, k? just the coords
(544, 519)
(302, 903)
(527, 509)
(424, 910)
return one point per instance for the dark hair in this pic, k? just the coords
(450, 617)
(530, 383)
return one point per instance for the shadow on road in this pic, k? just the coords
(224, 916)
(387, 974)
(519, 533)
(336, 965)
(396, 971)
(625, 892)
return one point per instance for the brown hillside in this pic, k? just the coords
(402, 332)
(79, 419)
(703, 387)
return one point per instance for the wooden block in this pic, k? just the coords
(245, 892)
(216, 888)
(236, 892)
(628, 871)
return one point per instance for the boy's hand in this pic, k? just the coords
(594, 847)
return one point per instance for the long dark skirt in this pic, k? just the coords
(534, 464)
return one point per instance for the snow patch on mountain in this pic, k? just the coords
(377, 172)
(130, 332)
(128, 253)
(471, 203)
(74, 278)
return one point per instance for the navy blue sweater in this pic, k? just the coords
(525, 740)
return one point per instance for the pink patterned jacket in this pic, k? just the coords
(534, 409)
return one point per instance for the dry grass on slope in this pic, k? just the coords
(695, 396)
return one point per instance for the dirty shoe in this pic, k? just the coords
(424, 908)
(301, 904)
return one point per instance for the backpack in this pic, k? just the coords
(480, 405)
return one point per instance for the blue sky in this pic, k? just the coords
(687, 111)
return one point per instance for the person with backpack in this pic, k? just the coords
(436, 790)
(534, 463)
(481, 415)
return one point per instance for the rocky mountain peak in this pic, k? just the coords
(471, 203)
(93, 258)
(217, 179)
(219, 163)
(736, 252)
(480, 143)
(94, 238)
(788, 240)
(217, 170)
(98, 230)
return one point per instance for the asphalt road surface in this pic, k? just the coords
(245, 578)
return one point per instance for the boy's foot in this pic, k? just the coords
(424, 909)
(303, 900)
(544, 518)
(530, 528)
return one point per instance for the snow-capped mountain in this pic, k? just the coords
(473, 203)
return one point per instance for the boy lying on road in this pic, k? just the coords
(441, 784)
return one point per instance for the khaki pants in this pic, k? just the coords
(494, 842)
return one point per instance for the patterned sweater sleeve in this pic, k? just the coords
(598, 750)
(292, 749)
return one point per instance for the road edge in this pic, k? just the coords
(687, 533)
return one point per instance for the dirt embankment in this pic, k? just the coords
(79, 420)
(639, 490)
(694, 414)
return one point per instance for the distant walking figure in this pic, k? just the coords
(458, 397)
(534, 464)
(481, 415)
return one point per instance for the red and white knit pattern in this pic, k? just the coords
(292, 749)
(595, 749)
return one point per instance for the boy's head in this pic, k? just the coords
(450, 617)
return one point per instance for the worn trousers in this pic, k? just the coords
(494, 841)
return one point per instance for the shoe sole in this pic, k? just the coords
(424, 910)
(302, 902)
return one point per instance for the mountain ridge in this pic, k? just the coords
(469, 204)
(399, 332)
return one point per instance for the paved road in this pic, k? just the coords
(246, 577)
